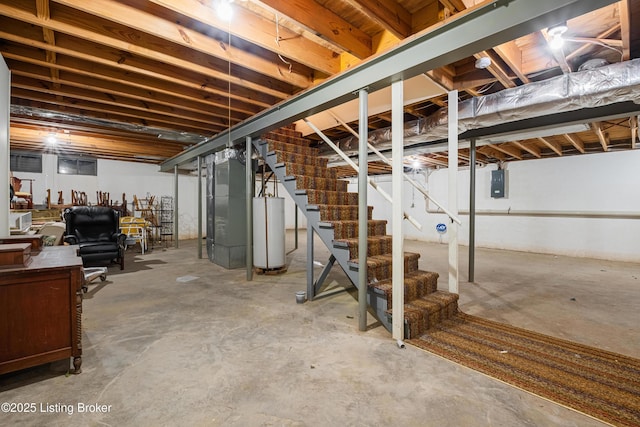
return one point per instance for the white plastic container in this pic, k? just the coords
(268, 232)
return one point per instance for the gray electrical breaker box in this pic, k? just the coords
(498, 184)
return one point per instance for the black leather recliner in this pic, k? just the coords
(96, 231)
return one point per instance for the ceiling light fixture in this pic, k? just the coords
(483, 62)
(555, 35)
(224, 10)
(51, 139)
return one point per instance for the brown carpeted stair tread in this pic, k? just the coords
(291, 148)
(286, 157)
(416, 284)
(424, 313)
(376, 245)
(311, 171)
(347, 229)
(314, 183)
(593, 381)
(287, 136)
(316, 197)
(379, 267)
(340, 212)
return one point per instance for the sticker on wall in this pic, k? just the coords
(441, 228)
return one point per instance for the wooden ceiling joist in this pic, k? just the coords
(260, 32)
(506, 149)
(603, 137)
(575, 141)
(554, 146)
(529, 148)
(325, 23)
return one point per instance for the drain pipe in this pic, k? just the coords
(363, 210)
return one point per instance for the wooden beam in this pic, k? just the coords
(43, 12)
(555, 147)
(387, 13)
(129, 81)
(128, 148)
(142, 21)
(586, 45)
(491, 153)
(119, 101)
(529, 148)
(511, 54)
(115, 90)
(625, 28)
(602, 136)
(95, 109)
(575, 141)
(506, 149)
(325, 23)
(108, 57)
(261, 32)
(454, 5)
(500, 74)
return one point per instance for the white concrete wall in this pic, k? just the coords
(594, 183)
(117, 177)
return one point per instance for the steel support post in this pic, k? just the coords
(363, 209)
(472, 211)
(453, 190)
(199, 167)
(310, 283)
(175, 206)
(397, 212)
(249, 188)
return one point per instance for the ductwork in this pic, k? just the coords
(597, 87)
(167, 134)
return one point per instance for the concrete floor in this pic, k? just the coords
(174, 340)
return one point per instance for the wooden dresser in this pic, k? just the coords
(41, 310)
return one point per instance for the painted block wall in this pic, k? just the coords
(604, 182)
(117, 177)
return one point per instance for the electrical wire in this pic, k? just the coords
(278, 44)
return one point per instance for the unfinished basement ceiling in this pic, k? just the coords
(142, 80)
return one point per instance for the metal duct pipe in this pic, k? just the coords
(615, 83)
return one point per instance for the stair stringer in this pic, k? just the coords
(376, 301)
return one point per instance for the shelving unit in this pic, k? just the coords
(166, 218)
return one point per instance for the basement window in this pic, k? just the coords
(25, 162)
(77, 166)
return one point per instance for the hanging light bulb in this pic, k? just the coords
(224, 10)
(51, 139)
(555, 35)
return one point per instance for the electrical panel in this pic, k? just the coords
(498, 184)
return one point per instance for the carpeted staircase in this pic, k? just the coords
(333, 214)
(595, 382)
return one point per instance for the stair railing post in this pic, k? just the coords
(363, 209)
(397, 279)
